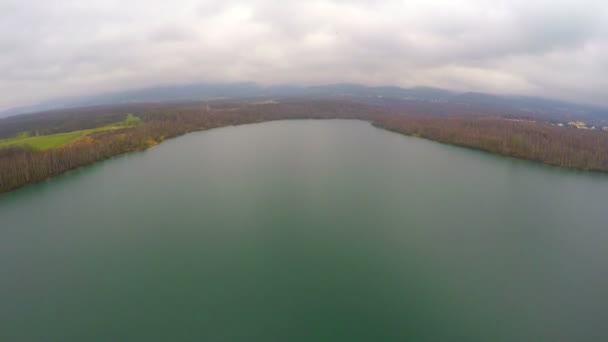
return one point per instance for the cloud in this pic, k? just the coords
(63, 47)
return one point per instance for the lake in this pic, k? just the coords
(306, 230)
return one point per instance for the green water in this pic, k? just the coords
(306, 231)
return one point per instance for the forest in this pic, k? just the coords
(22, 165)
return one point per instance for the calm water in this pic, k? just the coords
(306, 231)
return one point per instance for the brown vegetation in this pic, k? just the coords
(564, 147)
(586, 150)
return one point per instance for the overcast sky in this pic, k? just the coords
(553, 48)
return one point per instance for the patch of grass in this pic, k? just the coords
(45, 142)
(131, 120)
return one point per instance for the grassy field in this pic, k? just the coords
(45, 142)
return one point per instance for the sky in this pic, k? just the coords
(549, 48)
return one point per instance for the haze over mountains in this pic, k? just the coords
(425, 96)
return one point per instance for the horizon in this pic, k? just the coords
(52, 102)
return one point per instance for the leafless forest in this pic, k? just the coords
(537, 141)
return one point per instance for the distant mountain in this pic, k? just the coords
(420, 96)
(152, 94)
(534, 106)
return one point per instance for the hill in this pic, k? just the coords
(431, 100)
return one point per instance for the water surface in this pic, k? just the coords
(306, 231)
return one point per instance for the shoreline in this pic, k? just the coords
(375, 123)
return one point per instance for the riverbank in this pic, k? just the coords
(567, 148)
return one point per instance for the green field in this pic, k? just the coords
(45, 142)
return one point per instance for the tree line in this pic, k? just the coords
(558, 146)
(585, 150)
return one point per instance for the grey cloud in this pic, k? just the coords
(549, 48)
(172, 34)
